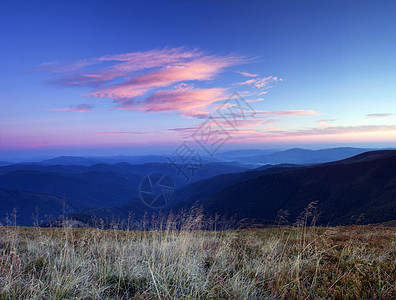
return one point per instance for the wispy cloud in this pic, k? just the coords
(126, 78)
(109, 67)
(315, 134)
(379, 116)
(258, 114)
(76, 108)
(325, 122)
(285, 113)
(262, 83)
(246, 74)
(59, 67)
(254, 100)
(243, 127)
(200, 69)
(189, 100)
(335, 130)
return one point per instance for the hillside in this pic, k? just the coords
(31, 207)
(192, 191)
(207, 187)
(362, 186)
(360, 189)
(90, 189)
(94, 187)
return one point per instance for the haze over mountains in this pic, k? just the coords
(256, 156)
(237, 184)
(293, 156)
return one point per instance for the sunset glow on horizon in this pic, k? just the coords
(146, 76)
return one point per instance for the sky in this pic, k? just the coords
(143, 77)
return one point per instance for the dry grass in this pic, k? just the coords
(62, 263)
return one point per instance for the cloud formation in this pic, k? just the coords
(262, 83)
(126, 78)
(246, 74)
(379, 116)
(324, 134)
(334, 130)
(200, 69)
(325, 122)
(285, 113)
(189, 100)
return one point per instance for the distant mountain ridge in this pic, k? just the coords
(96, 186)
(89, 161)
(357, 189)
(304, 156)
(245, 152)
(364, 185)
(192, 191)
(138, 159)
(246, 156)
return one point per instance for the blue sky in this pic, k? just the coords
(81, 77)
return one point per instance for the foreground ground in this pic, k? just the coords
(53, 263)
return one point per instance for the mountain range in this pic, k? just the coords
(96, 186)
(363, 186)
(301, 156)
(361, 189)
(244, 156)
(346, 190)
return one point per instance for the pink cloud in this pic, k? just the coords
(124, 77)
(335, 133)
(76, 108)
(262, 83)
(281, 113)
(189, 100)
(76, 73)
(167, 66)
(254, 100)
(200, 69)
(322, 133)
(325, 123)
(255, 114)
(247, 74)
(256, 130)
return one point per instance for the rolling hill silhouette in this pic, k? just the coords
(364, 185)
(345, 190)
(97, 186)
(192, 191)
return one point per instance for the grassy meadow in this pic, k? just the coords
(356, 262)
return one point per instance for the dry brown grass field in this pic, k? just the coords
(357, 262)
